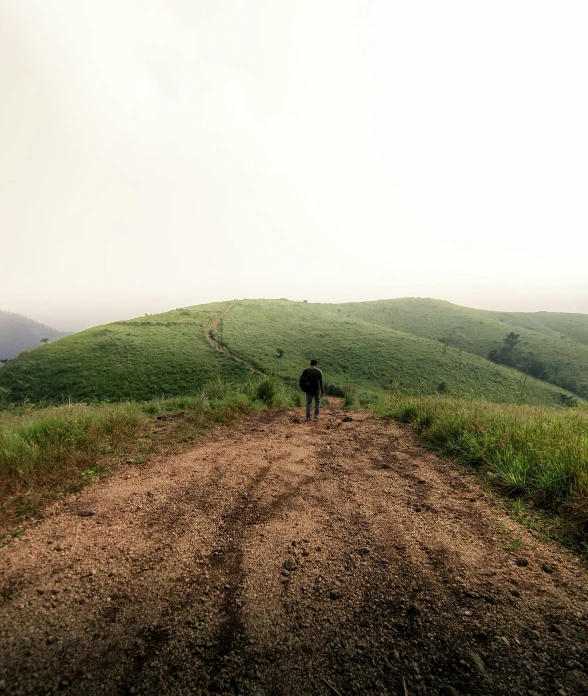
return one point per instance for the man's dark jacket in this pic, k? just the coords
(311, 381)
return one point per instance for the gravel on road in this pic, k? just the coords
(283, 557)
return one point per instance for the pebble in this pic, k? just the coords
(414, 610)
(560, 630)
(578, 680)
(547, 568)
(289, 564)
(475, 660)
(521, 562)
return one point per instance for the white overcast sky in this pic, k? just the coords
(161, 153)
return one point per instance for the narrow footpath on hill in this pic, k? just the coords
(209, 333)
(284, 557)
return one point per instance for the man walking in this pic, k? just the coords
(311, 382)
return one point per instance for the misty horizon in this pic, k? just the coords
(171, 154)
(105, 316)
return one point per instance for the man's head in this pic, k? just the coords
(313, 363)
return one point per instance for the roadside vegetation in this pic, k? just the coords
(49, 452)
(537, 455)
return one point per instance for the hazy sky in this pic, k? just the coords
(161, 153)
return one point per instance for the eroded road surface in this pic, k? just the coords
(280, 557)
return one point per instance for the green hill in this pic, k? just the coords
(556, 357)
(144, 358)
(364, 352)
(573, 327)
(374, 345)
(18, 333)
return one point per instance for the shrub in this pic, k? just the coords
(407, 414)
(4, 396)
(349, 396)
(273, 392)
(334, 390)
(297, 398)
(568, 401)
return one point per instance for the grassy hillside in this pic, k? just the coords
(18, 333)
(375, 346)
(573, 327)
(563, 356)
(147, 357)
(368, 354)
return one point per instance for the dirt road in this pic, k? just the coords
(280, 557)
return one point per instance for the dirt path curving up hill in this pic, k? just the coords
(280, 557)
(209, 334)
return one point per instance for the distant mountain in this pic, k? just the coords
(18, 333)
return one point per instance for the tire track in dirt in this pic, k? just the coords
(397, 574)
(209, 333)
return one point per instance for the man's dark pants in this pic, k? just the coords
(317, 404)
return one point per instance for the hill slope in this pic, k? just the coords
(170, 353)
(143, 358)
(366, 353)
(18, 333)
(562, 358)
(557, 324)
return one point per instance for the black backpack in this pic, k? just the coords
(303, 381)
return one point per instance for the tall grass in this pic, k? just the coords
(538, 452)
(53, 450)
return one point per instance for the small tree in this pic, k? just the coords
(495, 355)
(45, 341)
(4, 361)
(279, 352)
(511, 340)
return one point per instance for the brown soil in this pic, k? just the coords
(283, 557)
